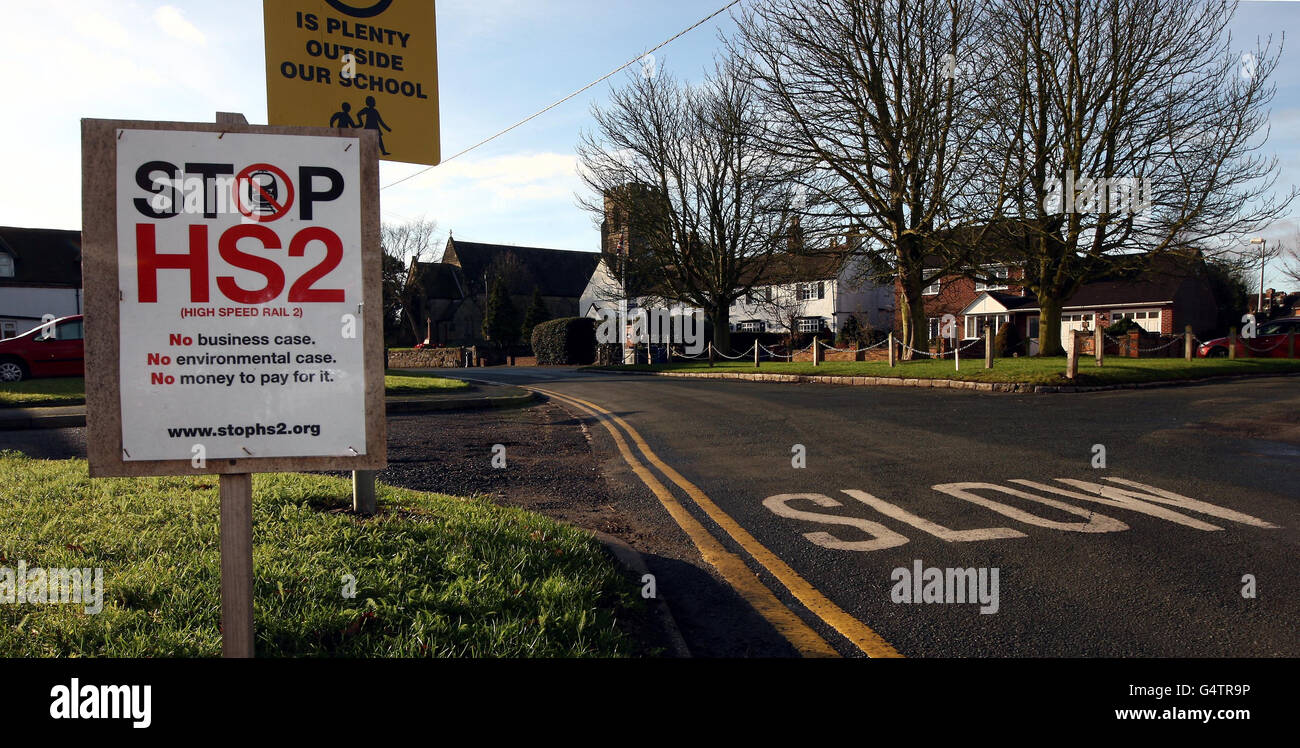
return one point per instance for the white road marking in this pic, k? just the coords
(934, 528)
(882, 537)
(1094, 522)
(1119, 501)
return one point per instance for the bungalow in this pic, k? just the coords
(40, 274)
(1166, 297)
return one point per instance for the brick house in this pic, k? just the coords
(1163, 299)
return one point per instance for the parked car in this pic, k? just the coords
(53, 349)
(1269, 342)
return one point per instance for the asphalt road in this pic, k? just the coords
(1086, 573)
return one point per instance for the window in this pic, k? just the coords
(933, 288)
(1001, 274)
(6, 266)
(752, 326)
(810, 291)
(935, 324)
(68, 331)
(811, 324)
(8, 329)
(976, 323)
(1281, 327)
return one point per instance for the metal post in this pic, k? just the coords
(891, 350)
(710, 354)
(755, 353)
(1188, 351)
(363, 492)
(236, 494)
(1232, 343)
(956, 354)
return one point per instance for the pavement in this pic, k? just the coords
(1152, 523)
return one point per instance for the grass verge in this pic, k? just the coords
(1044, 371)
(38, 392)
(72, 390)
(416, 383)
(436, 576)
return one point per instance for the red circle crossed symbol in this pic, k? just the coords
(267, 203)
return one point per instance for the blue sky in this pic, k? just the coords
(500, 60)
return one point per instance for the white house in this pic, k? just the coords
(799, 293)
(40, 274)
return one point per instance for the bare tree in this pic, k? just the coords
(682, 164)
(406, 245)
(876, 119)
(1091, 98)
(1291, 260)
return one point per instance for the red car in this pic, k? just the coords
(54, 349)
(1270, 342)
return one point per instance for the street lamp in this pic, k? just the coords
(1263, 257)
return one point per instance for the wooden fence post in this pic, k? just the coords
(1232, 343)
(755, 353)
(891, 349)
(710, 354)
(1072, 356)
(988, 347)
(236, 493)
(1098, 342)
(1188, 351)
(816, 349)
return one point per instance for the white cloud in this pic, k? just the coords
(517, 198)
(173, 23)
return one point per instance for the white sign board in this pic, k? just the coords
(240, 274)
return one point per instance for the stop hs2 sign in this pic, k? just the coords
(239, 263)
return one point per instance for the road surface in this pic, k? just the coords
(1153, 523)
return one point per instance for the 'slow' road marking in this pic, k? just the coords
(862, 636)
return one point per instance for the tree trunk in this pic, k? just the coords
(721, 316)
(1049, 327)
(916, 329)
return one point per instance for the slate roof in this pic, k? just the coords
(45, 257)
(438, 280)
(783, 268)
(557, 272)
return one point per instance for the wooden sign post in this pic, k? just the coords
(232, 312)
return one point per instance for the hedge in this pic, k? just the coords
(565, 341)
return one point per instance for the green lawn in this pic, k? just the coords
(436, 576)
(72, 390)
(51, 391)
(415, 383)
(1049, 371)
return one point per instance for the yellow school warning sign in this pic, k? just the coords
(356, 64)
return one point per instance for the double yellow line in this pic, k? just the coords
(731, 566)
